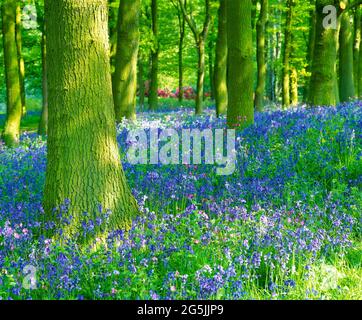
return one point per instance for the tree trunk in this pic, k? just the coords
(240, 64)
(125, 75)
(43, 124)
(261, 79)
(221, 93)
(182, 26)
(20, 57)
(13, 90)
(83, 162)
(323, 80)
(141, 84)
(211, 69)
(153, 92)
(287, 52)
(293, 86)
(357, 41)
(346, 82)
(310, 50)
(200, 77)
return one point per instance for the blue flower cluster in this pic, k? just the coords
(293, 202)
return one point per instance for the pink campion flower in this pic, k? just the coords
(114, 291)
(16, 235)
(173, 289)
(25, 231)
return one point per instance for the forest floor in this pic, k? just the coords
(285, 225)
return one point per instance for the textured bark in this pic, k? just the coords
(83, 162)
(13, 90)
(323, 82)
(287, 52)
(261, 78)
(310, 51)
(200, 77)
(346, 82)
(360, 69)
(20, 57)
(221, 93)
(240, 111)
(153, 92)
(125, 74)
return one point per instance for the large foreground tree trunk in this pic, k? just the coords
(221, 93)
(125, 75)
(83, 163)
(13, 90)
(240, 111)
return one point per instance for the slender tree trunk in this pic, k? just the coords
(360, 69)
(83, 162)
(125, 74)
(211, 69)
(182, 26)
(356, 45)
(20, 57)
(240, 64)
(310, 50)
(200, 77)
(287, 52)
(113, 31)
(141, 84)
(346, 82)
(323, 82)
(43, 124)
(153, 92)
(261, 79)
(221, 93)
(13, 90)
(293, 86)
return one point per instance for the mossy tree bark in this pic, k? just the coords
(240, 111)
(200, 40)
(221, 93)
(12, 76)
(346, 82)
(153, 92)
(323, 81)
(125, 74)
(261, 33)
(286, 54)
(21, 62)
(83, 162)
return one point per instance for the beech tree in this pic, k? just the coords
(125, 75)
(83, 161)
(12, 74)
(240, 111)
(221, 94)
(200, 36)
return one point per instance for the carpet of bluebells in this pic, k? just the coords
(285, 225)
